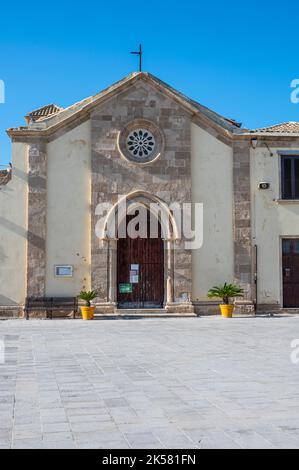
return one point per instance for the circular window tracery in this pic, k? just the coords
(141, 143)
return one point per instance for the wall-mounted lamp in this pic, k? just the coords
(264, 185)
(254, 142)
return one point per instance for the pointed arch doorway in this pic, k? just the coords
(140, 268)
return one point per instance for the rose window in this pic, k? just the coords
(141, 143)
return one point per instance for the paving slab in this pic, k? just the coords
(173, 383)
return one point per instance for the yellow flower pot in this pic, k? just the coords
(226, 310)
(87, 313)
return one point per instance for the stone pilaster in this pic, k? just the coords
(100, 269)
(5, 176)
(182, 272)
(242, 216)
(37, 207)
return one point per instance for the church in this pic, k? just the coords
(142, 145)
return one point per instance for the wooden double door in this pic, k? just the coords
(140, 270)
(290, 272)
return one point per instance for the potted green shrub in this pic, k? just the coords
(88, 310)
(226, 292)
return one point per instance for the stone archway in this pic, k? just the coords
(177, 259)
(169, 235)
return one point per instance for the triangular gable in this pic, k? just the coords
(78, 112)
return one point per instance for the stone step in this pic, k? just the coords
(290, 311)
(143, 313)
(278, 311)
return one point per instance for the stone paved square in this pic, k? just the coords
(152, 383)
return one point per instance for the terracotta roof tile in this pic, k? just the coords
(5, 176)
(43, 112)
(291, 127)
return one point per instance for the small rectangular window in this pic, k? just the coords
(296, 178)
(63, 271)
(290, 177)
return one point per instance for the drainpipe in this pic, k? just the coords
(255, 278)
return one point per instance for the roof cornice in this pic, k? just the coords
(266, 136)
(65, 120)
(81, 114)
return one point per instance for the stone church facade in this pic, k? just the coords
(143, 140)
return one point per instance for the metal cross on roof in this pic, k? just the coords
(140, 56)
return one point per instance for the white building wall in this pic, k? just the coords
(68, 217)
(212, 185)
(68, 211)
(13, 230)
(272, 219)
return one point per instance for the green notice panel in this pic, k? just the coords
(125, 288)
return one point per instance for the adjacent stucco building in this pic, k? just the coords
(143, 140)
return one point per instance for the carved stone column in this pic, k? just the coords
(112, 288)
(170, 273)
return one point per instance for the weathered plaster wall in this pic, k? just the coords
(13, 230)
(271, 221)
(212, 184)
(68, 210)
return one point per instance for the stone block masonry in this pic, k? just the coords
(168, 177)
(242, 216)
(37, 215)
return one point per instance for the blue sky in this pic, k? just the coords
(237, 58)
